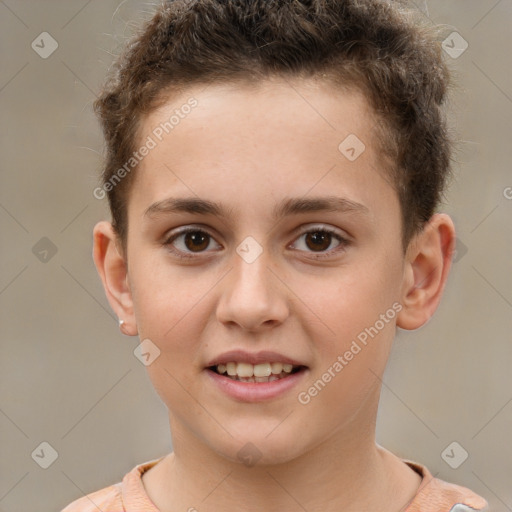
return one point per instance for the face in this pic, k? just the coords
(287, 244)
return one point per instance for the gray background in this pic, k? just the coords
(69, 378)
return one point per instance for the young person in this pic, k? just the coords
(273, 170)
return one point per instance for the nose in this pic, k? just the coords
(253, 296)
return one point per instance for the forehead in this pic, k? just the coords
(303, 106)
(271, 137)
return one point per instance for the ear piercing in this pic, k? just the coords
(123, 327)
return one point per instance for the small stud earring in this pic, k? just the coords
(121, 322)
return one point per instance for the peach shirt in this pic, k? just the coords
(433, 495)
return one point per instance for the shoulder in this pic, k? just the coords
(107, 500)
(129, 494)
(435, 494)
(457, 497)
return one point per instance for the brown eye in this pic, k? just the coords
(318, 240)
(196, 240)
(189, 241)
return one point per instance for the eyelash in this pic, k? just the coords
(343, 242)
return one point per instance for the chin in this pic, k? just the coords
(261, 449)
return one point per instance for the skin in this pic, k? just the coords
(249, 148)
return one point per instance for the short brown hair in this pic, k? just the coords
(378, 46)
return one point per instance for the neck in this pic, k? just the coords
(350, 474)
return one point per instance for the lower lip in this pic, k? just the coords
(255, 391)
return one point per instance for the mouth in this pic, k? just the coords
(256, 373)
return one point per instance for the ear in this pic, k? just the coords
(113, 270)
(427, 265)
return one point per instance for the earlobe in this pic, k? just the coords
(112, 268)
(427, 265)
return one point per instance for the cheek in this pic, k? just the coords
(345, 380)
(350, 367)
(170, 313)
(164, 297)
(360, 308)
(350, 299)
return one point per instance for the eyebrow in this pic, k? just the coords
(289, 206)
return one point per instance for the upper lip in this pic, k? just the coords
(242, 356)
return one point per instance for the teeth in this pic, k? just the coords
(262, 370)
(244, 370)
(250, 371)
(277, 368)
